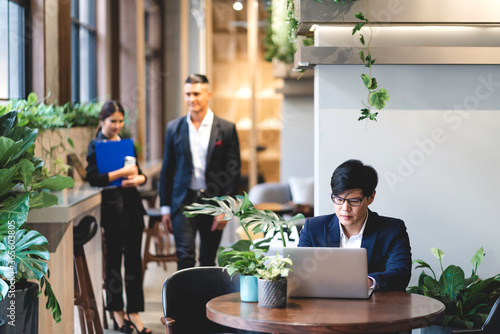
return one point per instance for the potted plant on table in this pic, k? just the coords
(23, 251)
(272, 282)
(468, 300)
(245, 257)
(246, 263)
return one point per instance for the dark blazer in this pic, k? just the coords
(222, 172)
(386, 242)
(117, 203)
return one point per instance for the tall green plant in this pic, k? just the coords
(23, 251)
(469, 300)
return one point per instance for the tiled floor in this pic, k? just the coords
(153, 282)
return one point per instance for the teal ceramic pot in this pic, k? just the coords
(248, 288)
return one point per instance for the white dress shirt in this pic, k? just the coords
(354, 242)
(198, 143)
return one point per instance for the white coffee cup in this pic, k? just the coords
(129, 160)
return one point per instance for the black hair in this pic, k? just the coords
(197, 78)
(353, 174)
(108, 109)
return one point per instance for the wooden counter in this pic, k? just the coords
(56, 224)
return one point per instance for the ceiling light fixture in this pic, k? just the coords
(237, 5)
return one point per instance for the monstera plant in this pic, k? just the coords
(23, 251)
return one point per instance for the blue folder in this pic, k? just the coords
(110, 156)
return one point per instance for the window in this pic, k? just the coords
(83, 51)
(153, 80)
(13, 84)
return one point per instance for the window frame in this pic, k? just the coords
(76, 26)
(26, 76)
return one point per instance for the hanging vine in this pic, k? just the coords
(377, 97)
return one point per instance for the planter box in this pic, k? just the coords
(398, 12)
(57, 141)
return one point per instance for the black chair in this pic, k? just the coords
(185, 295)
(490, 326)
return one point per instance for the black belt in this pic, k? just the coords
(195, 196)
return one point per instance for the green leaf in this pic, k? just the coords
(379, 98)
(477, 259)
(358, 27)
(70, 141)
(7, 122)
(362, 56)
(452, 280)
(374, 84)
(366, 80)
(42, 200)
(362, 40)
(360, 16)
(32, 98)
(437, 253)
(17, 210)
(55, 183)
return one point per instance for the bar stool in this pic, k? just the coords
(84, 294)
(161, 239)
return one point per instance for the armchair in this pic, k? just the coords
(490, 326)
(185, 294)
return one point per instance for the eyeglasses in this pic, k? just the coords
(352, 201)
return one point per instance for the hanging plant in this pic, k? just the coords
(377, 97)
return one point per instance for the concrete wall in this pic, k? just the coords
(434, 147)
(297, 143)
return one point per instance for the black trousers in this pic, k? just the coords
(124, 243)
(185, 230)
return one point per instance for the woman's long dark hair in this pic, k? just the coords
(108, 109)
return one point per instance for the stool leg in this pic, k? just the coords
(147, 257)
(86, 299)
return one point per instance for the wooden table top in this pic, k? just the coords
(383, 312)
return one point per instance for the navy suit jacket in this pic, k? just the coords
(222, 174)
(385, 240)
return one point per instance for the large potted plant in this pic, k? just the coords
(23, 251)
(468, 301)
(245, 257)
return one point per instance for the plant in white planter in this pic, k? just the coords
(272, 281)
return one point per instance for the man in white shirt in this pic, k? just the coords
(201, 159)
(353, 226)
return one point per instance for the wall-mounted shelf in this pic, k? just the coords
(308, 57)
(398, 12)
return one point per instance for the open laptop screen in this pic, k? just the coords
(326, 272)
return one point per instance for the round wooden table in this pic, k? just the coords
(384, 312)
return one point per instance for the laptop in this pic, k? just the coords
(326, 272)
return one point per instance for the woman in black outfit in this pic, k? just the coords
(122, 218)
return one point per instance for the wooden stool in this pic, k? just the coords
(84, 294)
(161, 239)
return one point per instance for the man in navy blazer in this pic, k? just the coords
(353, 226)
(201, 159)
